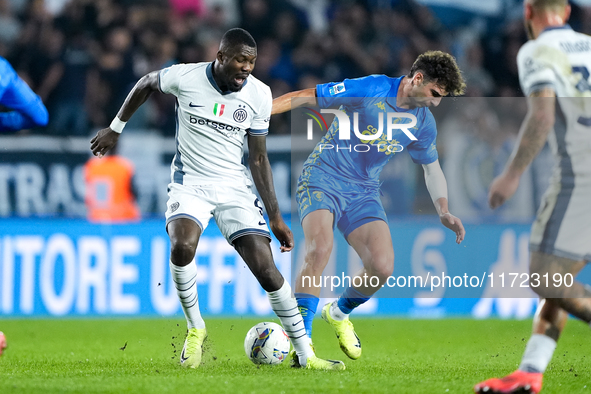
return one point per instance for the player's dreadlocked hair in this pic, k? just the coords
(441, 68)
(236, 37)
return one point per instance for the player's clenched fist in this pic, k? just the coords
(501, 189)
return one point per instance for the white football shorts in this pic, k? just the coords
(563, 223)
(236, 210)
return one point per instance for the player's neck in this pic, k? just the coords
(402, 100)
(546, 21)
(215, 71)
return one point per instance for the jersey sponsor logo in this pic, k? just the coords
(336, 89)
(240, 115)
(218, 109)
(222, 128)
(195, 105)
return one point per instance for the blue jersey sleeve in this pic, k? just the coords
(27, 109)
(339, 93)
(424, 149)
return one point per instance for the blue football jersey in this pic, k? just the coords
(356, 159)
(26, 109)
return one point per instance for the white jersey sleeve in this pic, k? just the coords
(260, 122)
(169, 79)
(535, 71)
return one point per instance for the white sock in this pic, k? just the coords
(286, 309)
(336, 313)
(185, 281)
(538, 353)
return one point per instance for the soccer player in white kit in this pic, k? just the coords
(554, 64)
(218, 103)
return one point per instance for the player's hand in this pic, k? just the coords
(283, 234)
(454, 224)
(501, 189)
(103, 141)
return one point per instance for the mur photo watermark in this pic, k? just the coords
(368, 135)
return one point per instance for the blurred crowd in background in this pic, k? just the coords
(83, 56)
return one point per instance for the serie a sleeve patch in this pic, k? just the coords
(336, 89)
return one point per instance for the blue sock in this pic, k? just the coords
(307, 304)
(351, 299)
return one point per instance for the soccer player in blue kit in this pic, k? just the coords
(27, 109)
(340, 187)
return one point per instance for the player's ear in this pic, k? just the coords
(567, 10)
(220, 57)
(527, 11)
(418, 78)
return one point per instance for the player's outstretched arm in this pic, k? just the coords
(15, 121)
(284, 103)
(263, 179)
(105, 139)
(437, 186)
(532, 136)
(27, 108)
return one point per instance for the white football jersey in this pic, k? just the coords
(211, 124)
(560, 59)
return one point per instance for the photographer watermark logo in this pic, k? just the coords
(373, 135)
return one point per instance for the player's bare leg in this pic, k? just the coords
(575, 298)
(548, 323)
(256, 253)
(373, 244)
(319, 236)
(184, 235)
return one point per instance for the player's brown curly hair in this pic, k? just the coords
(442, 68)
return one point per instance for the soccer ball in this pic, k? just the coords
(266, 343)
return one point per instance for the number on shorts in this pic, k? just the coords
(258, 204)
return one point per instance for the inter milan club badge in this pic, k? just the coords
(240, 114)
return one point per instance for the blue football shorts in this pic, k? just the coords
(352, 204)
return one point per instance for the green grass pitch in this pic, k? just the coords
(399, 356)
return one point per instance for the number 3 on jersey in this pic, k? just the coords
(583, 86)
